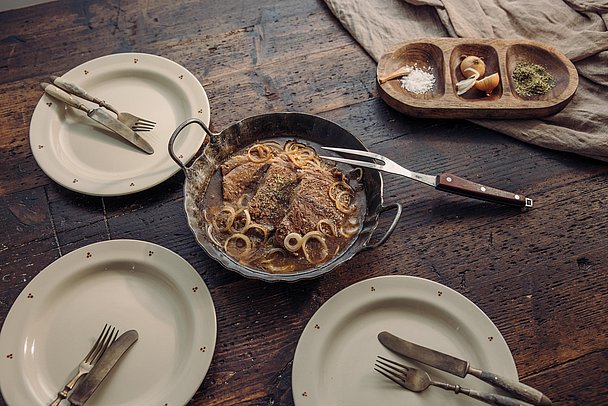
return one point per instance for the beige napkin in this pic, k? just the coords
(577, 28)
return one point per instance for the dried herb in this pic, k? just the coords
(532, 79)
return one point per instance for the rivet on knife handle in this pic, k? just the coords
(455, 184)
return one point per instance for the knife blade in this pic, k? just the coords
(91, 381)
(101, 116)
(461, 368)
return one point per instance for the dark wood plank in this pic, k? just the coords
(539, 274)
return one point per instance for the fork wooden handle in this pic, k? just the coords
(455, 184)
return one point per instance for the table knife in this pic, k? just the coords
(89, 384)
(101, 116)
(460, 368)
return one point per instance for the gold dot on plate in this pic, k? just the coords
(75, 181)
(490, 338)
(89, 255)
(373, 289)
(203, 349)
(200, 111)
(181, 76)
(9, 356)
(132, 184)
(135, 60)
(150, 253)
(30, 296)
(49, 104)
(439, 293)
(317, 327)
(304, 394)
(40, 146)
(194, 289)
(86, 72)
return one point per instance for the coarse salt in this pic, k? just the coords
(418, 81)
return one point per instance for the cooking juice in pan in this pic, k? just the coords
(276, 206)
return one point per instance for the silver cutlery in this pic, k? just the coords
(460, 368)
(101, 116)
(106, 337)
(130, 120)
(445, 182)
(417, 380)
(100, 370)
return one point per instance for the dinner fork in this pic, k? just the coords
(106, 337)
(137, 124)
(446, 182)
(417, 380)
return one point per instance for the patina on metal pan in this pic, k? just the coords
(218, 147)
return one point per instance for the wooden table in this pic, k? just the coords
(541, 275)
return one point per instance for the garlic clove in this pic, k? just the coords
(402, 71)
(472, 62)
(466, 84)
(488, 84)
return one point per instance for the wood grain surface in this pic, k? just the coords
(540, 275)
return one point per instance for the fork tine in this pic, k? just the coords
(97, 344)
(144, 121)
(397, 381)
(359, 153)
(144, 127)
(354, 162)
(390, 361)
(144, 124)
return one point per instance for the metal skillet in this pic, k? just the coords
(219, 147)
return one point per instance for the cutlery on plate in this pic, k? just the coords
(101, 116)
(461, 368)
(417, 380)
(89, 384)
(106, 337)
(445, 182)
(128, 119)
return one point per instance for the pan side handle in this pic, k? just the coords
(390, 230)
(176, 133)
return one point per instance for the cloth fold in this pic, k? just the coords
(578, 28)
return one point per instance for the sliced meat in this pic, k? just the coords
(310, 203)
(270, 202)
(239, 176)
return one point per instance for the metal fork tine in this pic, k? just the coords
(405, 367)
(354, 162)
(144, 121)
(359, 153)
(91, 355)
(397, 381)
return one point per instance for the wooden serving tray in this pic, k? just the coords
(443, 56)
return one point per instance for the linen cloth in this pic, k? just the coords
(578, 28)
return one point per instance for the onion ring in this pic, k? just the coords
(316, 236)
(292, 247)
(241, 237)
(329, 223)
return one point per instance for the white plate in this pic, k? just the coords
(79, 155)
(131, 285)
(335, 356)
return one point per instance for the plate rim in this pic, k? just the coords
(321, 317)
(49, 164)
(59, 271)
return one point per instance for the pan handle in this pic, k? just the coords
(176, 133)
(390, 230)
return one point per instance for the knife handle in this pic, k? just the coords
(63, 96)
(80, 92)
(518, 389)
(448, 182)
(492, 398)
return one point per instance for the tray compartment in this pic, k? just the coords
(526, 53)
(489, 55)
(424, 56)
